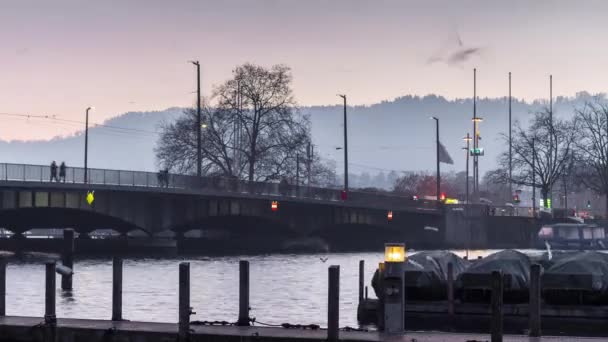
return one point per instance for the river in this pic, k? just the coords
(284, 288)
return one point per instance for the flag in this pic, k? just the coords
(444, 156)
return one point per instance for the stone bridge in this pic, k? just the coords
(128, 201)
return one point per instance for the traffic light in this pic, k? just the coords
(588, 204)
(274, 206)
(476, 151)
(516, 198)
(442, 197)
(389, 216)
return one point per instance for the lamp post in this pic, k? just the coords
(199, 156)
(438, 169)
(86, 143)
(510, 143)
(345, 148)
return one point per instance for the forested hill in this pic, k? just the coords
(391, 135)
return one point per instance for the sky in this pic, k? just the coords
(60, 57)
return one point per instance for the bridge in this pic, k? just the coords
(220, 209)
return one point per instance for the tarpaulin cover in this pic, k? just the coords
(514, 265)
(584, 270)
(428, 270)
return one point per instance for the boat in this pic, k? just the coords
(572, 236)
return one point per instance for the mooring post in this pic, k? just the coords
(49, 294)
(67, 258)
(2, 288)
(535, 300)
(117, 289)
(243, 293)
(184, 301)
(450, 288)
(497, 293)
(361, 279)
(333, 304)
(380, 310)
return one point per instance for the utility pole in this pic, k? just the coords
(297, 170)
(475, 184)
(86, 144)
(199, 155)
(438, 177)
(510, 143)
(345, 147)
(467, 139)
(533, 177)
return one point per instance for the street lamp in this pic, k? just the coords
(438, 170)
(86, 143)
(345, 149)
(199, 156)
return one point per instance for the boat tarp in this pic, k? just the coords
(584, 270)
(428, 269)
(514, 265)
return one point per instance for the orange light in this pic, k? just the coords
(274, 205)
(389, 216)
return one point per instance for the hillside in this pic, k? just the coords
(391, 135)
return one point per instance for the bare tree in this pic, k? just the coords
(592, 147)
(254, 130)
(544, 149)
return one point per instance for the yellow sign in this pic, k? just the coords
(90, 197)
(451, 201)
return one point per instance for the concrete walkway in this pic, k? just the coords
(14, 328)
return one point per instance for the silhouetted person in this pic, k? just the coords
(62, 168)
(54, 171)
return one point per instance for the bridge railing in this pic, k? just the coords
(75, 175)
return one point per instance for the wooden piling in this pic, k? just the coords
(535, 318)
(361, 279)
(497, 294)
(2, 288)
(117, 289)
(380, 311)
(333, 304)
(49, 295)
(67, 258)
(184, 302)
(243, 293)
(450, 288)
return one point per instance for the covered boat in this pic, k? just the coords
(580, 278)
(426, 274)
(474, 284)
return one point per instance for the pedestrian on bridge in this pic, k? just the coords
(54, 171)
(62, 168)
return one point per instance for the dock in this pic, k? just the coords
(33, 329)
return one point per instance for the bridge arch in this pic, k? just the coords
(19, 220)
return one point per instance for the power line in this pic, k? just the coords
(55, 118)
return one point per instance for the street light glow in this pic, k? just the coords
(477, 119)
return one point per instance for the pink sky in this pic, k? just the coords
(59, 57)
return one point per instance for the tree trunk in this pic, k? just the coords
(606, 212)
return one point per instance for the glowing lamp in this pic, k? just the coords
(442, 196)
(394, 252)
(274, 205)
(389, 215)
(477, 119)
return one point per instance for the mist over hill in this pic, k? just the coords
(389, 136)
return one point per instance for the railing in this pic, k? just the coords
(75, 175)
